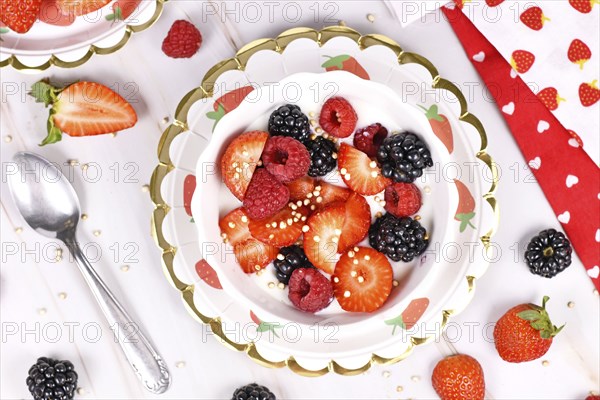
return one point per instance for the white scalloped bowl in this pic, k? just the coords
(423, 277)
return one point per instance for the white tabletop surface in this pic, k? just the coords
(46, 309)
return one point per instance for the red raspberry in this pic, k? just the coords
(265, 195)
(402, 199)
(285, 158)
(370, 138)
(338, 118)
(309, 290)
(182, 41)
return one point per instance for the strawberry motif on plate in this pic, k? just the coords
(228, 102)
(208, 274)
(263, 326)
(534, 18)
(122, 9)
(345, 62)
(579, 53)
(494, 3)
(440, 126)
(409, 317)
(549, 96)
(465, 211)
(189, 185)
(589, 94)
(522, 60)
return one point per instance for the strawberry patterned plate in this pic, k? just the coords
(459, 208)
(68, 42)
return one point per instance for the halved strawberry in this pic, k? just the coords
(356, 222)
(51, 13)
(83, 109)
(330, 194)
(240, 160)
(300, 188)
(322, 237)
(253, 255)
(81, 7)
(362, 280)
(282, 229)
(359, 172)
(19, 15)
(234, 226)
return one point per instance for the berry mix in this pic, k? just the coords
(309, 228)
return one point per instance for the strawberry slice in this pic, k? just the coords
(81, 7)
(330, 194)
(300, 188)
(359, 172)
(51, 14)
(362, 280)
(253, 255)
(240, 160)
(234, 226)
(83, 109)
(323, 234)
(19, 15)
(356, 223)
(282, 229)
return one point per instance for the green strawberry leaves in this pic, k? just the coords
(269, 327)
(465, 220)
(216, 115)
(397, 322)
(117, 16)
(43, 92)
(540, 320)
(432, 113)
(336, 62)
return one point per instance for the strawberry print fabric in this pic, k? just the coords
(568, 176)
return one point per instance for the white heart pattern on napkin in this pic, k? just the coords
(543, 126)
(509, 108)
(536, 163)
(594, 272)
(598, 236)
(479, 57)
(564, 217)
(513, 73)
(573, 142)
(572, 180)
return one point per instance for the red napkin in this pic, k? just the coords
(568, 176)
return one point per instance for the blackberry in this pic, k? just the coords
(548, 253)
(51, 379)
(288, 260)
(398, 238)
(288, 120)
(323, 156)
(253, 391)
(403, 157)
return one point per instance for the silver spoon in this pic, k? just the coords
(50, 206)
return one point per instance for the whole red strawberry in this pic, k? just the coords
(458, 377)
(524, 333)
(182, 41)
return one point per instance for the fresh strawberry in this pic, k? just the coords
(441, 126)
(521, 60)
(81, 7)
(182, 41)
(345, 62)
(494, 3)
(300, 188)
(575, 136)
(122, 9)
(589, 94)
(234, 227)
(51, 13)
(549, 96)
(362, 280)
(409, 317)
(359, 172)
(83, 109)
(402, 199)
(228, 102)
(338, 117)
(208, 274)
(356, 222)
(458, 377)
(282, 229)
(534, 18)
(524, 333)
(583, 6)
(579, 53)
(19, 15)
(329, 194)
(253, 255)
(189, 185)
(240, 160)
(465, 211)
(322, 237)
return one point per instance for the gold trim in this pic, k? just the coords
(205, 90)
(93, 49)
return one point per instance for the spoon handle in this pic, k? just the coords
(143, 358)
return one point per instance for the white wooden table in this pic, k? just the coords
(46, 308)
